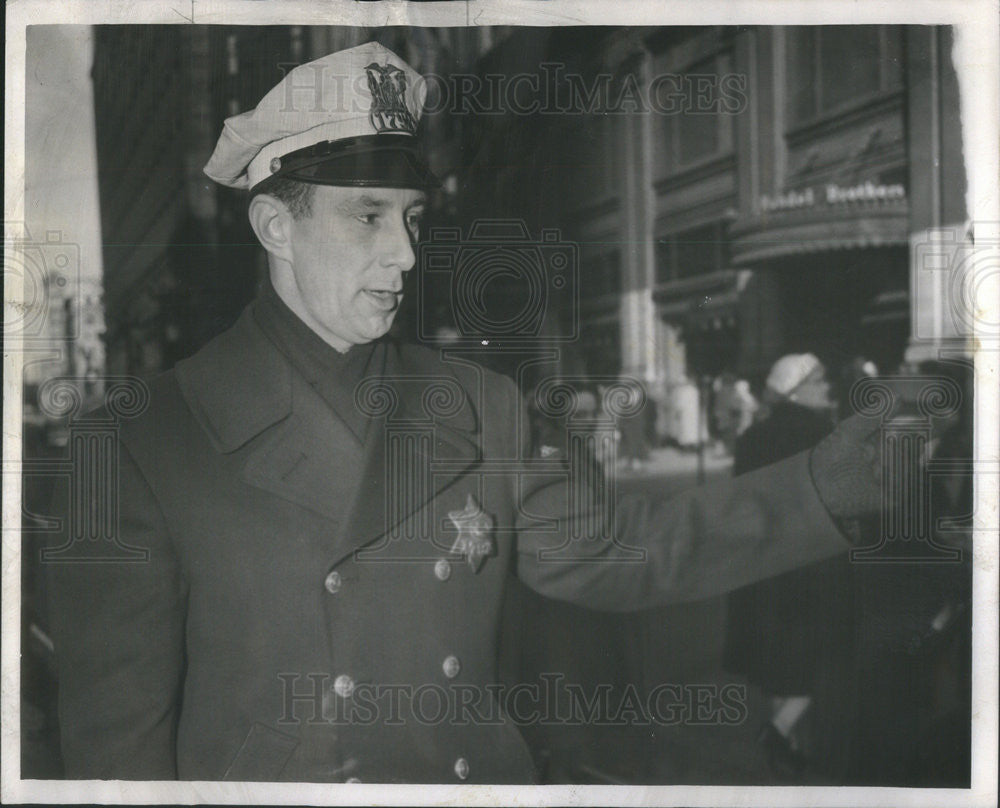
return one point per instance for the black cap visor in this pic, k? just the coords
(384, 161)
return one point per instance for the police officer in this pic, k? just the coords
(330, 517)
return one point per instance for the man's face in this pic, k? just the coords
(349, 258)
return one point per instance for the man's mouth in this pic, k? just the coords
(385, 299)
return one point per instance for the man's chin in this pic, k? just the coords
(376, 329)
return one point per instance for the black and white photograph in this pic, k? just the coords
(484, 403)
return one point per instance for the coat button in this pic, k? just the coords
(462, 769)
(451, 666)
(442, 569)
(333, 582)
(343, 685)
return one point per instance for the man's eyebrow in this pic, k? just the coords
(364, 201)
(371, 203)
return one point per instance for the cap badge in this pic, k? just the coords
(388, 88)
(474, 528)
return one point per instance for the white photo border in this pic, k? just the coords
(976, 54)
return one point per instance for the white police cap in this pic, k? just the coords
(349, 118)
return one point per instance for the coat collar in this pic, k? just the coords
(240, 386)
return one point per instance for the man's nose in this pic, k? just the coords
(397, 248)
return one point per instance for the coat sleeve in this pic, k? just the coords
(118, 629)
(623, 553)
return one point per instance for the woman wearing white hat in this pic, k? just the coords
(779, 630)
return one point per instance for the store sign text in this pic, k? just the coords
(831, 194)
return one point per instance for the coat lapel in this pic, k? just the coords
(246, 396)
(418, 448)
(237, 386)
(309, 458)
(249, 401)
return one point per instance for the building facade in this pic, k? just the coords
(735, 193)
(769, 190)
(178, 265)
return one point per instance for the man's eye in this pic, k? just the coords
(367, 218)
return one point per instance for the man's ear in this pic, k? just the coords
(272, 222)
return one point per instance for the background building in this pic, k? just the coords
(736, 193)
(768, 198)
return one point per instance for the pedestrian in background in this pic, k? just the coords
(687, 427)
(784, 631)
(732, 409)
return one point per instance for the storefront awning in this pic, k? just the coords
(778, 234)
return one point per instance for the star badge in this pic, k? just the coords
(474, 528)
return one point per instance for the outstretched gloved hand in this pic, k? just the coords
(846, 469)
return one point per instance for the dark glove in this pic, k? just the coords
(846, 469)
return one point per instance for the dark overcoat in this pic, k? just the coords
(301, 596)
(780, 631)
